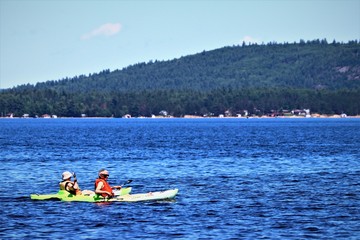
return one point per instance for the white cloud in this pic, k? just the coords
(249, 39)
(107, 29)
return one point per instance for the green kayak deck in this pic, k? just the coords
(124, 196)
(66, 196)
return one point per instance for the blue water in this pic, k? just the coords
(237, 178)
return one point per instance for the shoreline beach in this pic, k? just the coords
(199, 117)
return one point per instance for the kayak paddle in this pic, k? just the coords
(127, 182)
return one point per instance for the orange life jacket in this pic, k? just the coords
(106, 187)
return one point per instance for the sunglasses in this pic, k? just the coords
(105, 175)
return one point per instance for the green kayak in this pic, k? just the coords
(123, 197)
(66, 196)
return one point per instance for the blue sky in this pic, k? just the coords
(51, 39)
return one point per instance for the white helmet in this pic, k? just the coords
(66, 175)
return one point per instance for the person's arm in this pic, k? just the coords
(72, 186)
(99, 191)
(75, 184)
(116, 187)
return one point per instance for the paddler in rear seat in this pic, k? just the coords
(102, 187)
(68, 185)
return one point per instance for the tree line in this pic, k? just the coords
(312, 65)
(180, 103)
(260, 78)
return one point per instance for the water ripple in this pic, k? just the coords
(237, 178)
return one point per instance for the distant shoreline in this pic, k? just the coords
(313, 116)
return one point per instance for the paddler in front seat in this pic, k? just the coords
(68, 185)
(102, 187)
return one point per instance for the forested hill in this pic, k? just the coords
(258, 79)
(311, 65)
